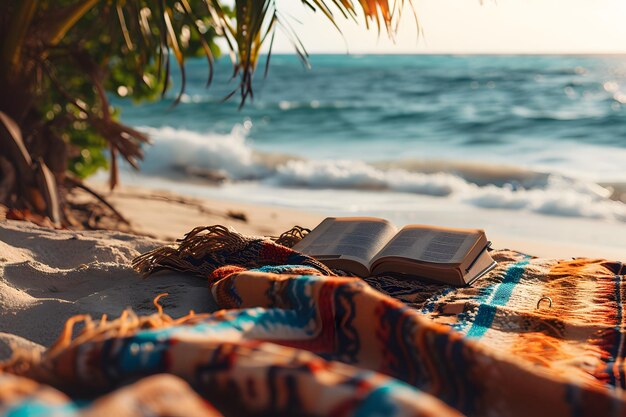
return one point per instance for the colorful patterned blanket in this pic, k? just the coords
(533, 337)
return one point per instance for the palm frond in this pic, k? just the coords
(246, 34)
(59, 20)
(178, 53)
(149, 32)
(257, 20)
(192, 18)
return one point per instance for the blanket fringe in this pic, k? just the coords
(292, 236)
(206, 248)
(213, 242)
(24, 362)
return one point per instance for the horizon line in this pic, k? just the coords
(528, 53)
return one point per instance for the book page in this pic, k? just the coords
(481, 266)
(448, 246)
(358, 238)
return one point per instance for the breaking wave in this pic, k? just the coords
(182, 154)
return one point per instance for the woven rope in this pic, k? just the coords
(205, 248)
(292, 236)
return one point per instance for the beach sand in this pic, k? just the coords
(168, 216)
(47, 276)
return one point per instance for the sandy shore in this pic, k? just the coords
(168, 216)
(47, 276)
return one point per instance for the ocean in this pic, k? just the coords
(372, 134)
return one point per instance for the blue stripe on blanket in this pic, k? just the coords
(380, 402)
(501, 295)
(35, 408)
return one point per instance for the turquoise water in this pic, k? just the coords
(540, 133)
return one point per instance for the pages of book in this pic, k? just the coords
(367, 245)
(430, 245)
(357, 238)
(483, 264)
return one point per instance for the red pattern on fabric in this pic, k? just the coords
(274, 254)
(223, 272)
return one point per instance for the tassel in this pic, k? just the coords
(200, 252)
(292, 236)
(38, 366)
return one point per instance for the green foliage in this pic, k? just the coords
(126, 69)
(61, 59)
(91, 157)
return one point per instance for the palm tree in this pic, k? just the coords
(58, 60)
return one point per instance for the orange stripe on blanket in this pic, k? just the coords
(567, 333)
(583, 291)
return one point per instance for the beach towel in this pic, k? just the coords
(533, 337)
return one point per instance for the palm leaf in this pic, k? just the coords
(59, 20)
(257, 19)
(151, 31)
(178, 54)
(191, 17)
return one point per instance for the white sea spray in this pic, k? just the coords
(233, 156)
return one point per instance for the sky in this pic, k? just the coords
(467, 26)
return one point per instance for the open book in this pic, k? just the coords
(371, 246)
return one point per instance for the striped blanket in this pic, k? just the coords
(533, 337)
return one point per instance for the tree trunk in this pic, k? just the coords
(34, 187)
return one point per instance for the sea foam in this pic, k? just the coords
(175, 151)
